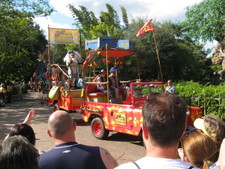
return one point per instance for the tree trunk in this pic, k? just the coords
(219, 55)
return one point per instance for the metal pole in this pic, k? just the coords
(139, 76)
(158, 58)
(107, 72)
(49, 57)
(80, 50)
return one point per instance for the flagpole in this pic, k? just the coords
(139, 76)
(49, 57)
(158, 58)
(107, 72)
(147, 28)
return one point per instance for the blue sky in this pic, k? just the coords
(158, 10)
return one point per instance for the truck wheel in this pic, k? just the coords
(98, 128)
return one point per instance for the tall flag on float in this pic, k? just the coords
(146, 28)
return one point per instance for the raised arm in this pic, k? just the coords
(29, 117)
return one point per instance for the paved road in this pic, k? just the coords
(124, 148)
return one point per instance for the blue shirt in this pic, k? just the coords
(72, 155)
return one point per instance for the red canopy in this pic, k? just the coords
(116, 52)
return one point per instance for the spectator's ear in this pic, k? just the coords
(186, 159)
(181, 153)
(49, 133)
(145, 133)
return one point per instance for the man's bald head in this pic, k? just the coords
(60, 122)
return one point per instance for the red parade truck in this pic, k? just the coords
(127, 116)
(124, 116)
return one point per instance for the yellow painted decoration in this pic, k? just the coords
(129, 119)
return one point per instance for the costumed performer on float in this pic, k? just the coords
(72, 59)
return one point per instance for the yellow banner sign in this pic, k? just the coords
(63, 36)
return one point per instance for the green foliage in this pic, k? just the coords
(206, 20)
(144, 90)
(21, 40)
(58, 51)
(30, 7)
(108, 23)
(110, 17)
(125, 17)
(180, 56)
(208, 97)
(17, 67)
(187, 89)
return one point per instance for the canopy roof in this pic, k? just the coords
(116, 52)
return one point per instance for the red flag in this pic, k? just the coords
(146, 28)
(86, 62)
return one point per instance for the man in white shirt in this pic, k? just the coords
(170, 88)
(164, 121)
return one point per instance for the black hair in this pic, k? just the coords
(24, 130)
(164, 115)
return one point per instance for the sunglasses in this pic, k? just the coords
(186, 134)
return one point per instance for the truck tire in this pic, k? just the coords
(98, 128)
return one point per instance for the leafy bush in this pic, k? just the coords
(208, 97)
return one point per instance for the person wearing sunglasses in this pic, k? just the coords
(198, 149)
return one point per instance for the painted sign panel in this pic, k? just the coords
(63, 36)
(120, 118)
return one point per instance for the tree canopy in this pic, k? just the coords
(180, 56)
(22, 41)
(206, 20)
(108, 23)
(30, 7)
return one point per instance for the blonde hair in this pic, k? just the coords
(199, 149)
(215, 128)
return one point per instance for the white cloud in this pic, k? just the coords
(61, 6)
(156, 9)
(210, 46)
